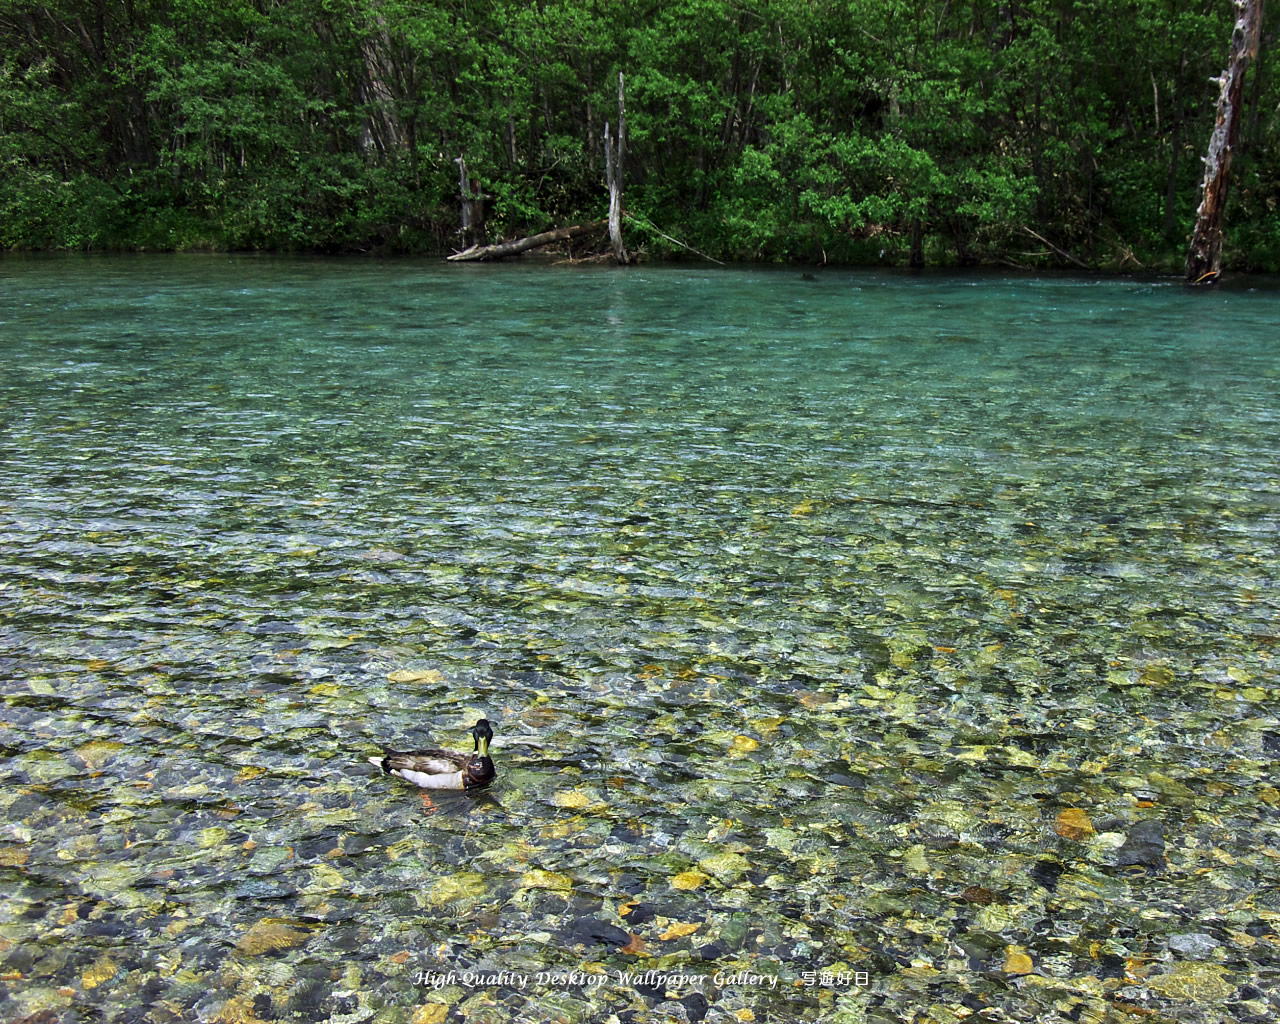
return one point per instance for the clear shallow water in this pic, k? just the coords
(850, 624)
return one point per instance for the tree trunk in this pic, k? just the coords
(916, 259)
(1204, 257)
(613, 153)
(472, 206)
(383, 129)
(1175, 146)
(500, 249)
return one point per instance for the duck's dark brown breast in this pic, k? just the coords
(479, 773)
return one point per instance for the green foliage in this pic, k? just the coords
(771, 129)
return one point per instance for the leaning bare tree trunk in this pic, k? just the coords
(613, 152)
(1204, 258)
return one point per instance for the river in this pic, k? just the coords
(857, 644)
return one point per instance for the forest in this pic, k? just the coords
(1029, 133)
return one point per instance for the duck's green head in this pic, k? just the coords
(482, 734)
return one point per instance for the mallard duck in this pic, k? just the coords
(444, 769)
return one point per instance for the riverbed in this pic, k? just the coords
(859, 646)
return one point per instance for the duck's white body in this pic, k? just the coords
(429, 775)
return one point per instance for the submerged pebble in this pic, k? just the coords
(1196, 945)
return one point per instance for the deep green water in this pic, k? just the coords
(851, 624)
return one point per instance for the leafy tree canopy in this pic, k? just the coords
(845, 130)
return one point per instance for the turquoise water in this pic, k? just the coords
(848, 625)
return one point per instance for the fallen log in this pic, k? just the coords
(500, 249)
